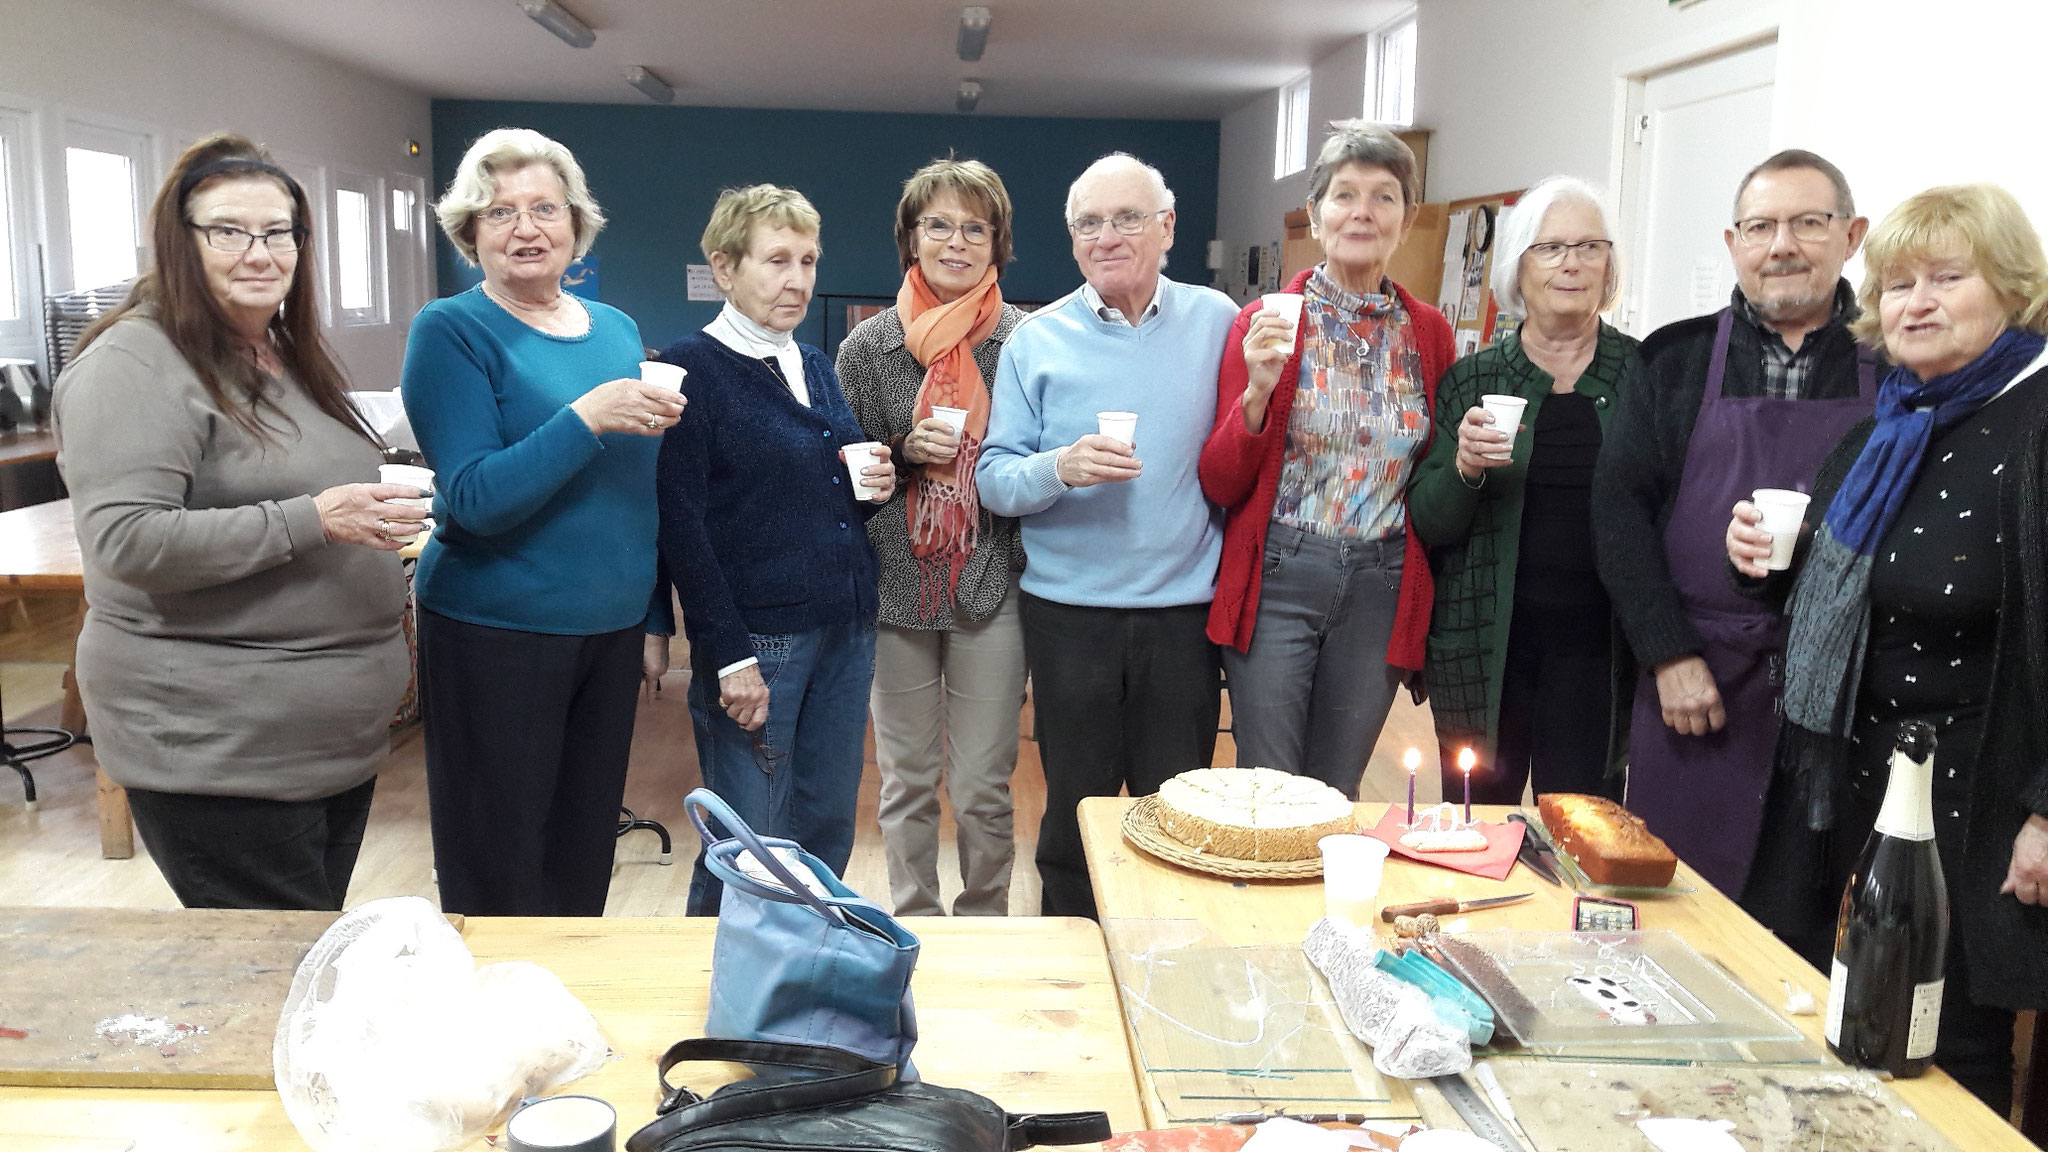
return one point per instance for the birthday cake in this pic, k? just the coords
(1251, 813)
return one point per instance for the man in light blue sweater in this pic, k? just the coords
(1121, 545)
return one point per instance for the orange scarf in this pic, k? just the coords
(943, 510)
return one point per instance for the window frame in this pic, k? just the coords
(20, 167)
(1377, 108)
(90, 132)
(376, 234)
(1290, 131)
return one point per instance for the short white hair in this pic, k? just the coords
(1111, 162)
(1517, 230)
(504, 150)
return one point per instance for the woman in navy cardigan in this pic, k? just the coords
(764, 534)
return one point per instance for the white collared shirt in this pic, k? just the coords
(733, 329)
(1109, 315)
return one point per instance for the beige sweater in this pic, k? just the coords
(228, 648)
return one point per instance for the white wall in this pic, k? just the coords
(153, 65)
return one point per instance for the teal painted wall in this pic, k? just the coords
(656, 172)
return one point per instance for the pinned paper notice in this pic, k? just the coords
(701, 286)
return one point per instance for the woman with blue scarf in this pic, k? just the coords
(1922, 594)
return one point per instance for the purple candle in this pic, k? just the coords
(1413, 760)
(1465, 760)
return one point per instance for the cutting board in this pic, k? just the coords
(68, 974)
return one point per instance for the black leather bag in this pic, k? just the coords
(812, 1097)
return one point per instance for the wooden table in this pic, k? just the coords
(1129, 883)
(1022, 1010)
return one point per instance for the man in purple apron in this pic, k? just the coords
(1751, 397)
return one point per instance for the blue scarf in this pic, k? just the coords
(1830, 603)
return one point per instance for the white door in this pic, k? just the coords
(1695, 130)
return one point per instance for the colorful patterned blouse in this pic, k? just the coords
(1359, 418)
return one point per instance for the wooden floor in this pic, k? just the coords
(50, 856)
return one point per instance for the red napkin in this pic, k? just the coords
(1503, 841)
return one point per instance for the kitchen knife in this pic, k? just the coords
(1448, 907)
(1536, 852)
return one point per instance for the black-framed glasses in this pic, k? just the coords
(1810, 227)
(502, 215)
(1128, 223)
(1550, 253)
(228, 238)
(941, 229)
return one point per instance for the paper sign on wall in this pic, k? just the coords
(701, 286)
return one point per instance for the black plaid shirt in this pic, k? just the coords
(1787, 372)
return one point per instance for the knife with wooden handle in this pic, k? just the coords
(1448, 907)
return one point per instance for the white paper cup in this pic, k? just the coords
(1352, 866)
(1507, 417)
(859, 456)
(662, 375)
(955, 418)
(1784, 510)
(408, 474)
(1118, 426)
(563, 1124)
(1287, 304)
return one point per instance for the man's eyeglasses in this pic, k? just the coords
(228, 238)
(502, 215)
(1126, 223)
(1550, 254)
(1810, 227)
(940, 228)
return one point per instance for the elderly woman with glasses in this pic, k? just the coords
(1519, 646)
(949, 652)
(534, 592)
(762, 532)
(1323, 596)
(241, 654)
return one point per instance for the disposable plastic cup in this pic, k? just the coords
(1352, 866)
(1287, 304)
(662, 374)
(1784, 510)
(411, 475)
(563, 1124)
(1507, 417)
(859, 456)
(1118, 426)
(955, 418)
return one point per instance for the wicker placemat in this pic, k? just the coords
(1141, 828)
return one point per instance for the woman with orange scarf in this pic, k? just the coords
(949, 653)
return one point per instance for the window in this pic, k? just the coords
(358, 252)
(1390, 96)
(107, 172)
(19, 236)
(10, 241)
(407, 248)
(1290, 137)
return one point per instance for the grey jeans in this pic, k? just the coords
(935, 693)
(1311, 695)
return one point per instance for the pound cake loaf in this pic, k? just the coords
(1252, 813)
(1610, 844)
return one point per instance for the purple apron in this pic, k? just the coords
(1704, 795)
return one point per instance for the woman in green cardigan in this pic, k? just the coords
(1519, 658)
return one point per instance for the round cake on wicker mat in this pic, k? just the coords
(1251, 813)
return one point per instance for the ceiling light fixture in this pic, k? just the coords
(968, 96)
(974, 24)
(650, 85)
(557, 19)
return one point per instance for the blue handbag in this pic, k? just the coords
(793, 966)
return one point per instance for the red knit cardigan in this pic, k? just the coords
(1241, 471)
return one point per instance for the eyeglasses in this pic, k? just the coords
(1127, 223)
(228, 238)
(1810, 227)
(1550, 254)
(502, 215)
(940, 228)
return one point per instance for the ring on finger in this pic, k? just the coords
(651, 421)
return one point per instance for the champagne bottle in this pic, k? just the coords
(1891, 941)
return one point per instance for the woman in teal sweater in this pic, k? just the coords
(1519, 663)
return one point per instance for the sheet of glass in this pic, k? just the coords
(1579, 881)
(1220, 1029)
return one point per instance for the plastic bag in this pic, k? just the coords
(392, 1039)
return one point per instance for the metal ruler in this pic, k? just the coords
(1484, 1122)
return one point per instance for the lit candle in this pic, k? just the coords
(1413, 759)
(1465, 759)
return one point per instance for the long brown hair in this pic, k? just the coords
(175, 293)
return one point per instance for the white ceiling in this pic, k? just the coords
(1186, 59)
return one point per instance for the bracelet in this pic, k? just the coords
(1468, 483)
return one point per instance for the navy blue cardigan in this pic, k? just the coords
(761, 530)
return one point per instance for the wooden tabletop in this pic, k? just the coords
(1022, 1010)
(39, 548)
(19, 447)
(1129, 883)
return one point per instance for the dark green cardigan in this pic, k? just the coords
(1474, 535)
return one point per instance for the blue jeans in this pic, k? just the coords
(798, 776)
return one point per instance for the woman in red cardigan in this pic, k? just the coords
(1323, 598)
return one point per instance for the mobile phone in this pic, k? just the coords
(1595, 914)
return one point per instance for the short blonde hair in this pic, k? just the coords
(972, 181)
(738, 210)
(503, 150)
(1987, 224)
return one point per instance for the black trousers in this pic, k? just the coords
(1124, 698)
(242, 852)
(1555, 706)
(527, 737)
